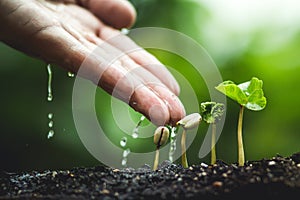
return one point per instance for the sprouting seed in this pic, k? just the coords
(188, 122)
(161, 136)
(248, 95)
(212, 113)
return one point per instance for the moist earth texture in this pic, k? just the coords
(274, 178)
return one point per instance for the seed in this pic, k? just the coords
(161, 136)
(190, 121)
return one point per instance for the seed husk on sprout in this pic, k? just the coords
(161, 136)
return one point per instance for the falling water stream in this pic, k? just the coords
(135, 132)
(172, 143)
(50, 125)
(50, 98)
(123, 141)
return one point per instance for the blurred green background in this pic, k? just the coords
(245, 39)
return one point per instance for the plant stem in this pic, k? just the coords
(184, 161)
(240, 138)
(156, 160)
(213, 144)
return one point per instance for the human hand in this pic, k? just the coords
(71, 32)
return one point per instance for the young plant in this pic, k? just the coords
(211, 114)
(249, 95)
(161, 136)
(188, 122)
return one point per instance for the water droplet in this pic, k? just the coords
(49, 97)
(50, 124)
(134, 103)
(126, 152)
(135, 133)
(50, 134)
(124, 162)
(172, 143)
(71, 74)
(142, 118)
(49, 88)
(50, 115)
(124, 31)
(123, 141)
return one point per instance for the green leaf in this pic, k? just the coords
(250, 86)
(231, 90)
(212, 111)
(256, 101)
(249, 94)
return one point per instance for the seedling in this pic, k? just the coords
(250, 95)
(188, 122)
(161, 136)
(212, 113)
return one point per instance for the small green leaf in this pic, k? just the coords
(212, 111)
(256, 101)
(249, 94)
(250, 86)
(234, 92)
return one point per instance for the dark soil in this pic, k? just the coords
(275, 178)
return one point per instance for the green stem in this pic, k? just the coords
(241, 156)
(156, 160)
(213, 144)
(184, 161)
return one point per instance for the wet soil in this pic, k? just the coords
(274, 178)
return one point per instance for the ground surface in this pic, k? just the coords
(275, 178)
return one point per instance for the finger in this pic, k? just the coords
(116, 13)
(121, 82)
(140, 56)
(128, 87)
(175, 107)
